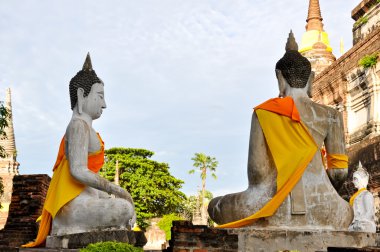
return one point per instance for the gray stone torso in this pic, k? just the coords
(324, 207)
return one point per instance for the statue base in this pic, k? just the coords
(188, 237)
(267, 239)
(81, 240)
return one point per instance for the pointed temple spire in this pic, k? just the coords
(314, 17)
(9, 167)
(315, 44)
(9, 143)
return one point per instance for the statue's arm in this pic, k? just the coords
(335, 144)
(261, 169)
(78, 135)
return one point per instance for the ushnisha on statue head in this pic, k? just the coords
(87, 91)
(294, 69)
(360, 177)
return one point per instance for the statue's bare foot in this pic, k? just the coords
(237, 206)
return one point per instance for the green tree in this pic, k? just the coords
(4, 115)
(154, 190)
(190, 204)
(166, 224)
(204, 163)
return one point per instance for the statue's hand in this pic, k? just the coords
(337, 177)
(124, 194)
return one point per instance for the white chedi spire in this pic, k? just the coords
(9, 143)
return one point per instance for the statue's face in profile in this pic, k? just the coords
(359, 181)
(94, 103)
(355, 180)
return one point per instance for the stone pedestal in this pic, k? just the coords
(260, 239)
(81, 240)
(190, 238)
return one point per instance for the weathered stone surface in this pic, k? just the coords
(28, 196)
(186, 237)
(257, 240)
(156, 238)
(81, 240)
(314, 202)
(189, 237)
(368, 249)
(371, 10)
(78, 212)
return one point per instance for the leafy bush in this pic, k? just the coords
(110, 246)
(154, 190)
(361, 21)
(166, 223)
(369, 60)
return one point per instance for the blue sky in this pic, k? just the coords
(180, 76)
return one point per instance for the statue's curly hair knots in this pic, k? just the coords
(295, 68)
(85, 78)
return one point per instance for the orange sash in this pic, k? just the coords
(292, 148)
(63, 188)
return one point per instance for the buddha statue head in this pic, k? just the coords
(87, 91)
(360, 177)
(293, 69)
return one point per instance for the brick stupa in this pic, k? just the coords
(8, 165)
(315, 44)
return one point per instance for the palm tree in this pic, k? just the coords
(204, 163)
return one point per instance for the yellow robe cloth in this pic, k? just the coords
(337, 161)
(292, 148)
(353, 197)
(62, 189)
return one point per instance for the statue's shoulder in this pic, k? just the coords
(366, 194)
(328, 110)
(77, 125)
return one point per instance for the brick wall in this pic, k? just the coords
(330, 86)
(187, 237)
(28, 196)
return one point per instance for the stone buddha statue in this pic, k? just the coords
(288, 185)
(78, 199)
(363, 203)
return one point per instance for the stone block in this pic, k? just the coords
(260, 239)
(81, 240)
(186, 237)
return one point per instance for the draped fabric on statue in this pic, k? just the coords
(63, 188)
(353, 197)
(337, 161)
(291, 146)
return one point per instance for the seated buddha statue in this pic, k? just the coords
(363, 203)
(79, 199)
(288, 184)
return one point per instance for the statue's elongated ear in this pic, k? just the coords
(80, 95)
(281, 83)
(310, 84)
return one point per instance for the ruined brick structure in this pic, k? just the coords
(29, 192)
(8, 165)
(187, 237)
(355, 91)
